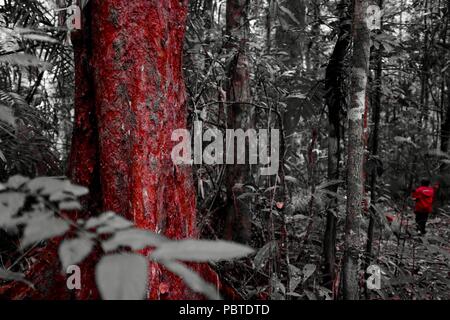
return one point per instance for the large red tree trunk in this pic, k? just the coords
(130, 96)
(140, 101)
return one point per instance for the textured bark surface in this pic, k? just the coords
(445, 129)
(130, 96)
(239, 116)
(335, 100)
(374, 147)
(140, 101)
(356, 142)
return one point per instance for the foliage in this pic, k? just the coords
(42, 208)
(36, 76)
(289, 48)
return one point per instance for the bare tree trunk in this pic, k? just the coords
(355, 176)
(335, 100)
(374, 148)
(269, 9)
(445, 130)
(239, 116)
(424, 93)
(311, 59)
(290, 38)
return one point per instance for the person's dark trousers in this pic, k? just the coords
(421, 221)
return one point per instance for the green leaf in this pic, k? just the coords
(7, 115)
(69, 205)
(46, 185)
(325, 293)
(134, 238)
(2, 157)
(122, 277)
(192, 280)
(14, 276)
(289, 13)
(108, 222)
(39, 37)
(200, 250)
(294, 294)
(72, 252)
(42, 228)
(15, 182)
(291, 179)
(311, 295)
(10, 204)
(25, 60)
(308, 270)
(55, 188)
(247, 195)
(77, 191)
(295, 277)
(263, 254)
(328, 184)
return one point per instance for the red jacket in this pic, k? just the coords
(424, 197)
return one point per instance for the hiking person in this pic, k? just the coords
(424, 197)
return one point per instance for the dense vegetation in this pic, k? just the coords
(341, 200)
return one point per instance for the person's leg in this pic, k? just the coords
(421, 219)
(417, 221)
(425, 219)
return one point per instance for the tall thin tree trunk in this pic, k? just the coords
(374, 147)
(445, 129)
(424, 93)
(355, 176)
(270, 5)
(335, 100)
(239, 116)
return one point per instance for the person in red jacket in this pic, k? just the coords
(424, 197)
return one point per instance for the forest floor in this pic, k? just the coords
(417, 267)
(412, 267)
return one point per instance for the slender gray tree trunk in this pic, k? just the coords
(374, 147)
(239, 116)
(356, 145)
(335, 100)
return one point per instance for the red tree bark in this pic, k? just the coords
(130, 96)
(140, 101)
